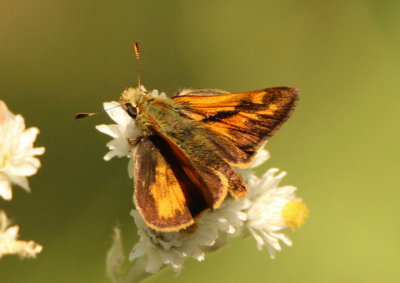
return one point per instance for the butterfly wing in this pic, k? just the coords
(239, 123)
(159, 191)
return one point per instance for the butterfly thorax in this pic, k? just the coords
(151, 112)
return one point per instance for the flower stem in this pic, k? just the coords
(137, 272)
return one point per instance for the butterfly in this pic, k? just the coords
(190, 144)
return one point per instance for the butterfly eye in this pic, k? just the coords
(131, 110)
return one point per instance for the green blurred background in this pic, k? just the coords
(340, 148)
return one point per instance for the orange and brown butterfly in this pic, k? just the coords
(190, 144)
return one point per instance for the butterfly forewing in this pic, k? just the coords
(240, 123)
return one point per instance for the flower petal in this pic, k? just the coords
(111, 130)
(131, 167)
(117, 114)
(20, 181)
(261, 156)
(5, 187)
(27, 138)
(36, 151)
(23, 169)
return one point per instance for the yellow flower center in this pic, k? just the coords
(294, 213)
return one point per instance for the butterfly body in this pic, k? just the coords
(184, 159)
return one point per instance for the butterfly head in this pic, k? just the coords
(130, 99)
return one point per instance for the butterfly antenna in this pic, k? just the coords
(137, 54)
(84, 115)
(87, 114)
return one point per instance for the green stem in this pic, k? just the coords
(137, 272)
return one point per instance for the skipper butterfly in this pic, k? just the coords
(191, 142)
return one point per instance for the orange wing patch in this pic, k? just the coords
(166, 192)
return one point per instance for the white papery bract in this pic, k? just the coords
(17, 154)
(9, 243)
(263, 213)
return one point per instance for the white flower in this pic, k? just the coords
(263, 213)
(17, 153)
(273, 209)
(9, 243)
(120, 132)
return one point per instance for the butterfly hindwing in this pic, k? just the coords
(158, 193)
(239, 123)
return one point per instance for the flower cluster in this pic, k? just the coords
(263, 213)
(17, 162)
(9, 243)
(17, 154)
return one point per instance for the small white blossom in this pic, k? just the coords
(263, 213)
(9, 243)
(273, 209)
(120, 132)
(17, 154)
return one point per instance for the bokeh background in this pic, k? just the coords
(340, 148)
